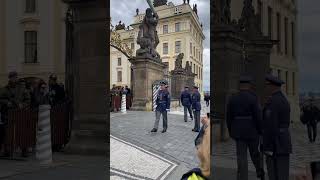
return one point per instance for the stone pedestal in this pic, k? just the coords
(227, 67)
(91, 66)
(179, 79)
(178, 82)
(258, 51)
(146, 71)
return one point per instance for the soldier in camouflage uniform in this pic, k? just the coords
(13, 96)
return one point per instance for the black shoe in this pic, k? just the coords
(154, 130)
(163, 131)
(195, 130)
(24, 154)
(260, 174)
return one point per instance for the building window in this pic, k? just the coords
(119, 61)
(286, 36)
(132, 46)
(270, 22)
(177, 27)
(165, 29)
(293, 84)
(287, 83)
(191, 65)
(194, 51)
(165, 48)
(30, 6)
(279, 73)
(190, 48)
(199, 73)
(260, 12)
(30, 46)
(119, 76)
(279, 32)
(293, 34)
(178, 46)
(194, 68)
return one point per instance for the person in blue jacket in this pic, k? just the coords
(196, 107)
(163, 106)
(186, 101)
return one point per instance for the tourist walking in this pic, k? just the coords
(196, 107)
(186, 101)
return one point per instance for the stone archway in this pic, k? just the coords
(88, 69)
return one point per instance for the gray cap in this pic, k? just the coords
(274, 80)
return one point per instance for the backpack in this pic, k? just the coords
(194, 174)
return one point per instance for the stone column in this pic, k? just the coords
(258, 52)
(227, 65)
(91, 64)
(146, 71)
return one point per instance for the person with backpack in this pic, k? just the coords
(202, 143)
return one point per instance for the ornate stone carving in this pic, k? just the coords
(116, 42)
(148, 37)
(249, 21)
(120, 26)
(178, 62)
(188, 68)
(157, 3)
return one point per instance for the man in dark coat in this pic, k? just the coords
(56, 91)
(196, 107)
(186, 101)
(163, 106)
(276, 134)
(311, 114)
(244, 123)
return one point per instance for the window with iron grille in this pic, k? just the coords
(165, 48)
(30, 47)
(293, 39)
(177, 27)
(279, 32)
(119, 61)
(119, 76)
(30, 6)
(178, 47)
(286, 35)
(165, 29)
(270, 21)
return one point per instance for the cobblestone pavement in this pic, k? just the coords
(176, 145)
(64, 167)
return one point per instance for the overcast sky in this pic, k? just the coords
(124, 10)
(308, 44)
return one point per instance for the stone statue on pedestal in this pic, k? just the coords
(157, 3)
(188, 68)
(148, 37)
(178, 62)
(137, 11)
(120, 26)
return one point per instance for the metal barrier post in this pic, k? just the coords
(123, 104)
(44, 150)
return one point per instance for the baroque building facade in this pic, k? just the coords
(32, 38)
(179, 30)
(279, 21)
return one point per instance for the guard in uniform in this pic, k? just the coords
(196, 107)
(186, 101)
(276, 135)
(163, 106)
(244, 121)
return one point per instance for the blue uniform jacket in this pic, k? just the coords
(276, 122)
(163, 100)
(244, 116)
(185, 98)
(196, 98)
